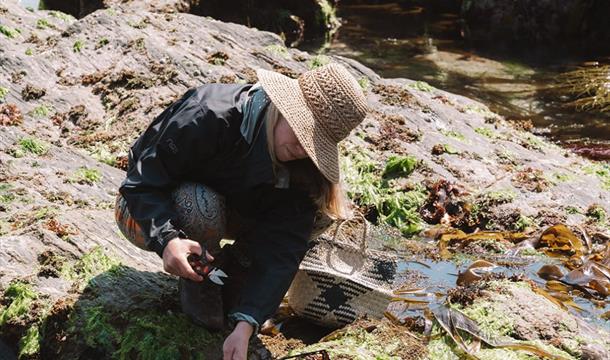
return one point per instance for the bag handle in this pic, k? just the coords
(363, 244)
(361, 251)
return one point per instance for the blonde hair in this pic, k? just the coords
(329, 197)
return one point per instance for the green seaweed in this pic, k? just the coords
(41, 111)
(9, 31)
(523, 222)
(62, 16)
(20, 296)
(78, 45)
(487, 132)
(453, 134)
(422, 86)
(102, 42)
(279, 50)
(151, 335)
(97, 328)
(318, 61)
(597, 213)
(3, 92)
(43, 24)
(364, 83)
(355, 344)
(368, 188)
(85, 175)
(29, 345)
(400, 166)
(90, 265)
(7, 194)
(602, 171)
(33, 146)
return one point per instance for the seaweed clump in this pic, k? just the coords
(10, 115)
(588, 88)
(380, 194)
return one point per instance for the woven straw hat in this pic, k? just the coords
(322, 106)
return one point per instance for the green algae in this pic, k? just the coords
(21, 296)
(278, 50)
(86, 175)
(41, 111)
(454, 134)
(3, 92)
(523, 222)
(89, 266)
(7, 194)
(9, 31)
(154, 334)
(62, 16)
(355, 344)
(364, 83)
(102, 42)
(487, 132)
(318, 61)
(33, 146)
(422, 86)
(492, 323)
(43, 24)
(400, 166)
(602, 171)
(597, 213)
(369, 188)
(78, 45)
(533, 142)
(29, 345)
(442, 348)
(496, 197)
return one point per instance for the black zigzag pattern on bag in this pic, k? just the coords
(334, 297)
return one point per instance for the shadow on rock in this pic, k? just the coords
(126, 313)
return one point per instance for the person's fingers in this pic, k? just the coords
(193, 247)
(210, 257)
(187, 271)
(227, 352)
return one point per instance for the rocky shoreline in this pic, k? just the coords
(75, 93)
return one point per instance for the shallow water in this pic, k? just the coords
(399, 40)
(437, 277)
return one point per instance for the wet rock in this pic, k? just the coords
(61, 201)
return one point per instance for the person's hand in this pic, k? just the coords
(235, 346)
(175, 254)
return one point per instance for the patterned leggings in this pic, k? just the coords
(202, 215)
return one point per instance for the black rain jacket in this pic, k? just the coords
(198, 138)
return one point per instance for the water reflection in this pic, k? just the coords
(437, 277)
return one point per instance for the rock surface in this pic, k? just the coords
(86, 88)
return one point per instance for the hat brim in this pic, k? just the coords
(286, 95)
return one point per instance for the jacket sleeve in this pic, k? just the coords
(182, 135)
(277, 245)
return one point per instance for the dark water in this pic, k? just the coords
(400, 40)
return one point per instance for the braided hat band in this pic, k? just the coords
(322, 106)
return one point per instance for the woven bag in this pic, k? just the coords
(338, 281)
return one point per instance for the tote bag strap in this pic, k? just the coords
(361, 252)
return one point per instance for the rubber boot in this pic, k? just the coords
(202, 303)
